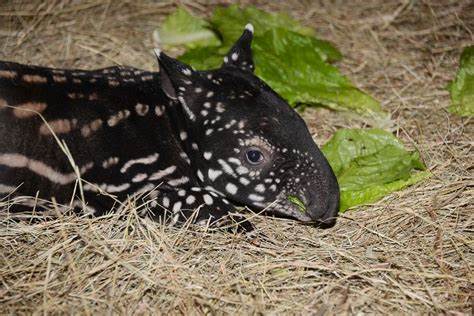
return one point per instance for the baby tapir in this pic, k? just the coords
(191, 145)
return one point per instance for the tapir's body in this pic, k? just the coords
(181, 141)
(106, 118)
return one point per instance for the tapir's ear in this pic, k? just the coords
(240, 55)
(175, 78)
(174, 75)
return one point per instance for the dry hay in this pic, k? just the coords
(412, 252)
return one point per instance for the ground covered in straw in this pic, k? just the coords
(412, 252)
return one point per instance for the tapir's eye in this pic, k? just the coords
(254, 156)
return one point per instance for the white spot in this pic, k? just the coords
(184, 156)
(207, 155)
(244, 181)
(213, 174)
(231, 188)
(183, 135)
(110, 162)
(209, 131)
(242, 170)
(220, 107)
(175, 219)
(166, 202)
(158, 110)
(200, 175)
(204, 113)
(198, 90)
(226, 59)
(186, 71)
(260, 188)
(177, 207)
(209, 94)
(256, 197)
(234, 161)
(190, 199)
(235, 56)
(226, 167)
(181, 192)
(208, 199)
(141, 109)
(116, 118)
(207, 105)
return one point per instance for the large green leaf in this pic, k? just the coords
(183, 28)
(231, 20)
(371, 163)
(462, 88)
(288, 57)
(294, 66)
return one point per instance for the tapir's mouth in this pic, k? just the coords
(298, 209)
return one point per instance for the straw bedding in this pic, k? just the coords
(412, 252)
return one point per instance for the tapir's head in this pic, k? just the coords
(249, 144)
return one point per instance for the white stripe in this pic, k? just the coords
(162, 173)
(110, 188)
(144, 161)
(139, 177)
(6, 188)
(40, 168)
(176, 182)
(147, 189)
(116, 188)
(256, 197)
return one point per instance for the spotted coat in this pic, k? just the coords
(186, 144)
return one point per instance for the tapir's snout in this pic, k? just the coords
(322, 196)
(323, 203)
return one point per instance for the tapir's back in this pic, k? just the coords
(94, 112)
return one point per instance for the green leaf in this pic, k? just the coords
(370, 164)
(231, 20)
(288, 57)
(183, 28)
(462, 88)
(297, 201)
(203, 58)
(294, 66)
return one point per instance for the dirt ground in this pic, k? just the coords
(410, 253)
